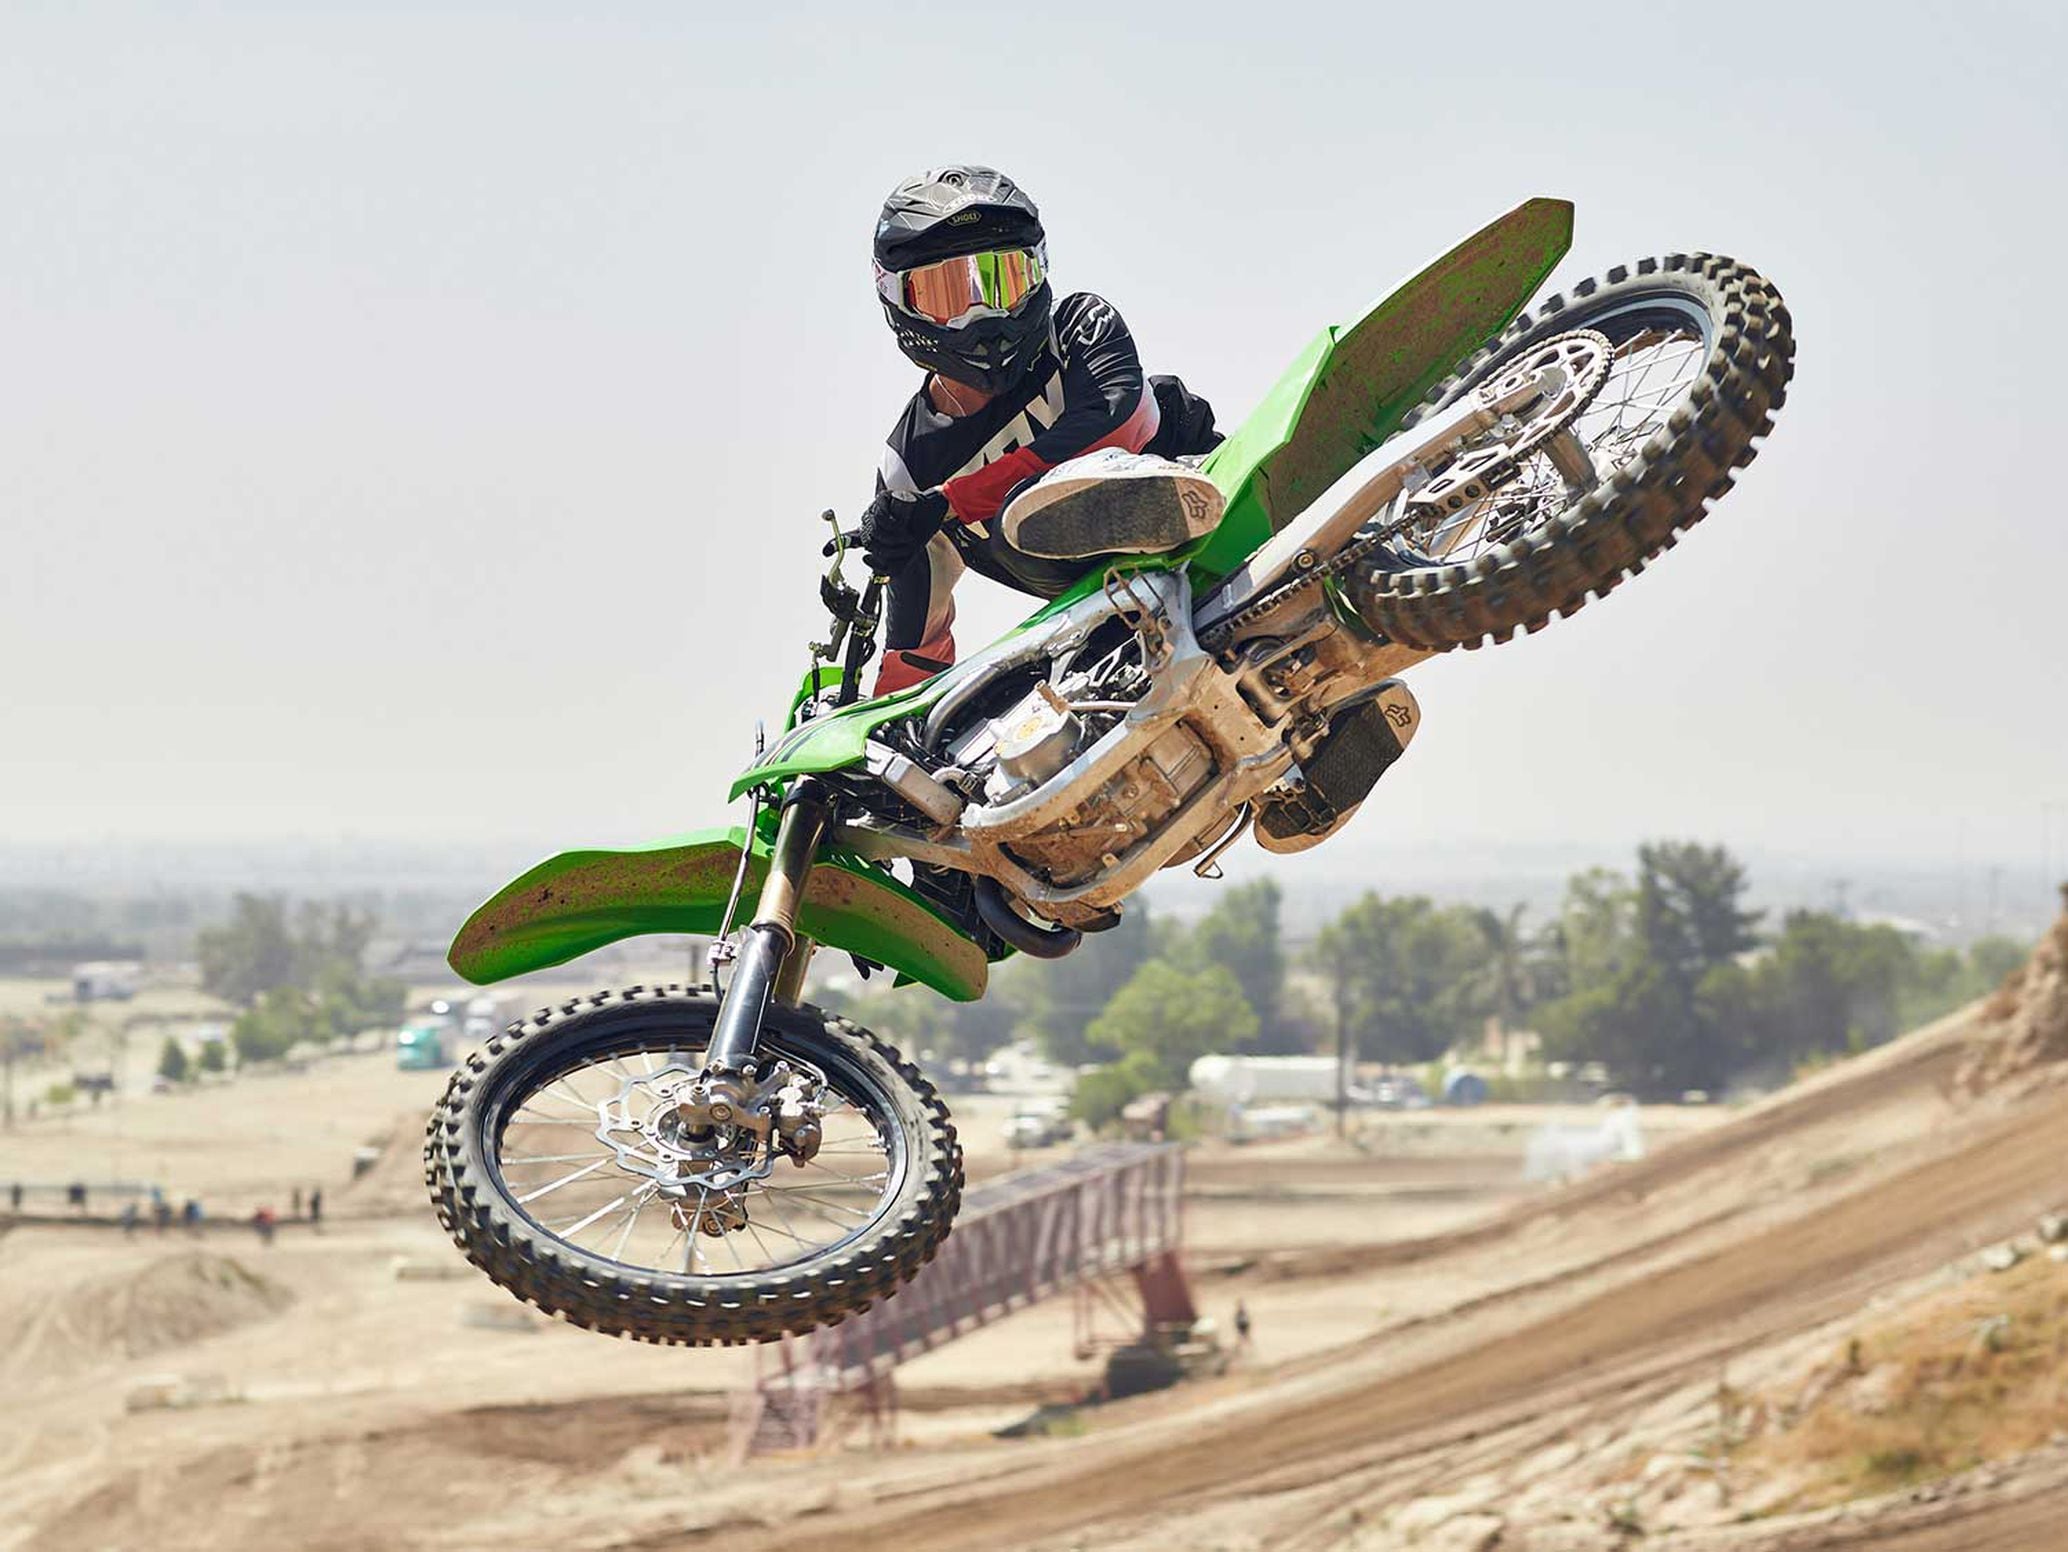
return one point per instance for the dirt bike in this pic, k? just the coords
(695, 1165)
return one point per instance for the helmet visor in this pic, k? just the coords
(969, 286)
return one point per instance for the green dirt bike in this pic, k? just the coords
(690, 1164)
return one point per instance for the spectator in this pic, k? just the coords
(190, 1216)
(264, 1221)
(75, 1196)
(316, 1207)
(1242, 1327)
(161, 1211)
(14, 1197)
(130, 1219)
(294, 1203)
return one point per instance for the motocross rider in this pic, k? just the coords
(1035, 444)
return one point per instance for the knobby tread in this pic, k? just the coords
(654, 1306)
(1638, 512)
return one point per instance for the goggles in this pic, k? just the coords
(958, 290)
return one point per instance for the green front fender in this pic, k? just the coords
(579, 901)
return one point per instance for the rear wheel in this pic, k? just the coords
(576, 1164)
(1701, 351)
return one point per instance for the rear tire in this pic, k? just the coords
(579, 1284)
(1636, 510)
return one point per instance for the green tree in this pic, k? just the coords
(251, 953)
(1402, 974)
(172, 1061)
(1101, 1093)
(1167, 1018)
(1596, 931)
(1065, 995)
(1830, 985)
(282, 1018)
(212, 1058)
(1242, 933)
(1990, 959)
(1689, 913)
(1505, 985)
(1652, 988)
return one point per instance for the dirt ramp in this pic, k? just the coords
(393, 1185)
(2024, 1035)
(166, 1303)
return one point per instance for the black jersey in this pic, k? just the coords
(1084, 390)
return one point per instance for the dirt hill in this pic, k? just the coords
(106, 1317)
(2024, 1034)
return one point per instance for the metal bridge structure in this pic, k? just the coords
(1109, 1210)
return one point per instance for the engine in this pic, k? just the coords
(1113, 817)
(1009, 755)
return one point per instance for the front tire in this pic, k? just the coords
(1548, 561)
(496, 1224)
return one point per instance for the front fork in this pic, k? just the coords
(773, 958)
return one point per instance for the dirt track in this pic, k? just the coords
(1390, 1375)
(1644, 1332)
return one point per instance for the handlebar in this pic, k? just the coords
(856, 617)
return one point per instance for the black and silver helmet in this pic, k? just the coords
(962, 271)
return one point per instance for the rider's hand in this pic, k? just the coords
(897, 526)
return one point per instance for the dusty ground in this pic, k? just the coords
(1445, 1357)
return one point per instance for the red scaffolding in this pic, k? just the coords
(1110, 1209)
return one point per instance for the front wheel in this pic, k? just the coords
(575, 1163)
(1697, 351)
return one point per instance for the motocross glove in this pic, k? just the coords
(897, 525)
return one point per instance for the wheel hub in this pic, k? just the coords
(711, 1131)
(1566, 372)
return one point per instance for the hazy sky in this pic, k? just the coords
(413, 420)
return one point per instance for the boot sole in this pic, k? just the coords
(1113, 516)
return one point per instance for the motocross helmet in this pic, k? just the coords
(962, 271)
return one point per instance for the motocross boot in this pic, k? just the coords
(1332, 782)
(1111, 502)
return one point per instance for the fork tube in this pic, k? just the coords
(789, 981)
(772, 938)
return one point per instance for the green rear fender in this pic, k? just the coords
(579, 901)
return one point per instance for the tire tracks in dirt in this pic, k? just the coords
(1784, 1277)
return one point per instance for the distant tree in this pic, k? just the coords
(172, 1061)
(1652, 988)
(1597, 928)
(1167, 1018)
(1242, 933)
(1506, 983)
(1101, 1093)
(252, 953)
(1830, 985)
(1065, 995)
(1991, 959)
(976, 1029)
(1402, 975)
(212, 1058)
(281, 1019)
(320, 958)
(1689, 911)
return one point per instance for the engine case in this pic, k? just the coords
(1130, 806)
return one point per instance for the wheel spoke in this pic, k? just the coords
(1648, 376)
(582, 1223)
(564, 1180)
(620, 1098)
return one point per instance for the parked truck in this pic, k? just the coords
(435, 1039)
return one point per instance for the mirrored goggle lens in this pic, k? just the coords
(955, 288)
